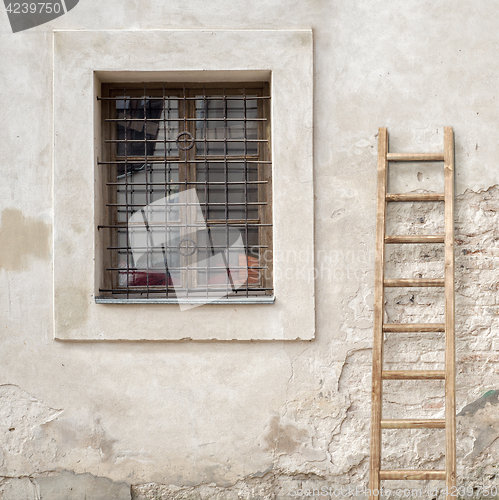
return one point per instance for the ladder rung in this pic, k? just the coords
(413, 327)
(415, 282)
(415, 238)
(412, 474)
(415, 156)
(415, 197)
(413, 424)
(413, 375)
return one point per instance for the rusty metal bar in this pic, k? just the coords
(208, 240)
(156, 97)
(246, 235)
(161, 290)
(126, 200)
(211, 223)
(151, 270)
(228, 204)
(194, 183)
(211, 159)
(187, 119)
(234, 247)
(110, 141)
(167, 168)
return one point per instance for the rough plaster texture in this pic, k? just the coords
(251, 419)
(63, 486)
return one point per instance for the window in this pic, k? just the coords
(187, 174)
(88, 63)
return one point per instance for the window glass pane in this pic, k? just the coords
(240, 263)
(237, 198)
(223, 124)
(141, 187)
(147, 127)
(168, 129)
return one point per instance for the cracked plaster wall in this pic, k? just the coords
(257, 420)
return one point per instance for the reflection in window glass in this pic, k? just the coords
(147, 127)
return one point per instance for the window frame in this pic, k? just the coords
(187, 161)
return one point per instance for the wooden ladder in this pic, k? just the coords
(376, 474)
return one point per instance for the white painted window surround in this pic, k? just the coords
(85, 59)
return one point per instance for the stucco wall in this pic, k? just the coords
(249, 420)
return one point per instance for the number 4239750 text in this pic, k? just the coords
(34, 8)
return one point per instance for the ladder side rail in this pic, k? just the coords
(450, 369)
(379, 299)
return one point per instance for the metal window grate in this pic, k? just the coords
(187, 181)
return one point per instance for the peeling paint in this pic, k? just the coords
(275, 485)
(284, 438)
(70, 486)
(480, 421)
(73, 437)
(20, 414)
(489, 398)
(22, 488)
